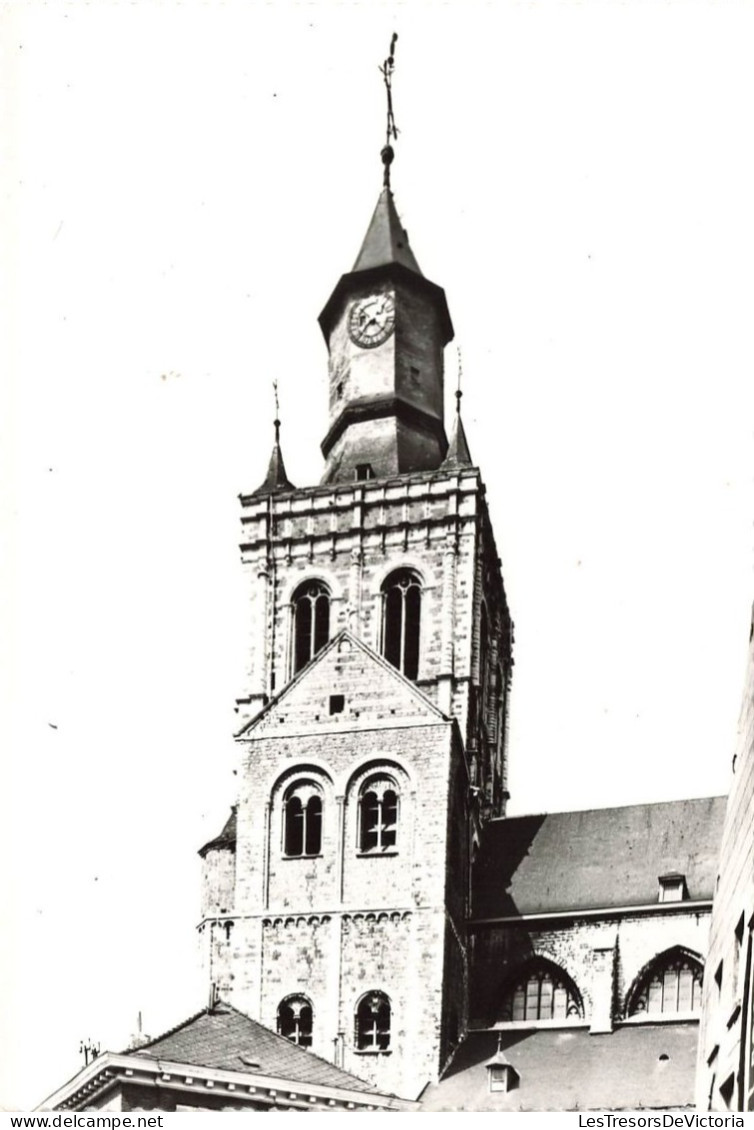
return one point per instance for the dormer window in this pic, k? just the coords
(501, 1075)
(673, 887)
(363, 472)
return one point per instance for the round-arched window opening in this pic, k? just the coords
(372, 1023)
(311, 622)
(302, 820)
(401, 621)
(378, 815)
(295, 1020)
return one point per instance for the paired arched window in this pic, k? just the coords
(541, 992)
(372, 1029)
(311, 622)
(295, 1020)
(378, 815)
(401, 621)
(302, 819)
(673, 983)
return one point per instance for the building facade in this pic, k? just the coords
(726, 1044)
(368, 897)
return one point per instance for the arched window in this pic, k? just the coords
(673, 983)
(541, 992)
(302, 820)
(401, 621)
(311, 622)
(373, 1023)
(378, 815)
(295, 1021)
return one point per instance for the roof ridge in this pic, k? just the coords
(164, 1035)
(604, 808)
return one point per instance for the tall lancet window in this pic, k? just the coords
(311, 622)
(401, 623)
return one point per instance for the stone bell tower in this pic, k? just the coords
(372, 722)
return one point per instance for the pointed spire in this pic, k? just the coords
(385, 242)
(458, 454)
(276, 479)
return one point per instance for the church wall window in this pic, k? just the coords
(372, 1023)
(541, 992)
(302, 820)
(295, 1020)
(311, 622)
(673, 983)
(401, 621)
(378, 815)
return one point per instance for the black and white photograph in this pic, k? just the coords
(377, 556)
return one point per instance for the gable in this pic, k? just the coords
(373, 693)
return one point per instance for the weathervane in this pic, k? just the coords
(391, 130)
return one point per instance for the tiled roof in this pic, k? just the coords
(633, 1068)
(226, 1039)
(596, 858)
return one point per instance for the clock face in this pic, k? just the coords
(371, 320)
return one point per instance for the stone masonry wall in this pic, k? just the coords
(500, 950)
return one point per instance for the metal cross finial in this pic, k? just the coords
(459, 393)
(391, 130)
(277, 411)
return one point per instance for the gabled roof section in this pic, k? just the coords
(372, 688)
(386, 241)
(597, 858)
(227, 1039)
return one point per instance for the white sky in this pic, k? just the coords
(183, 184)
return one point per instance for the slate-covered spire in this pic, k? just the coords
(386, 241)
(276, 479)
(458, 449)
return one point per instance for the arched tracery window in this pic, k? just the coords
(673, 983)
(541, 992)
(372, 1028)
(302, 819)
(378, 815)
(401, 621)
(311, 622)
(296, 1020)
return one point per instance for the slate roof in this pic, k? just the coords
(571, 1069)
(275, 481)
(228, 1040)
(385, 241)
(596, 858)
(458, 454)
(227, 838)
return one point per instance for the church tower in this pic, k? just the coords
(372, 722)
